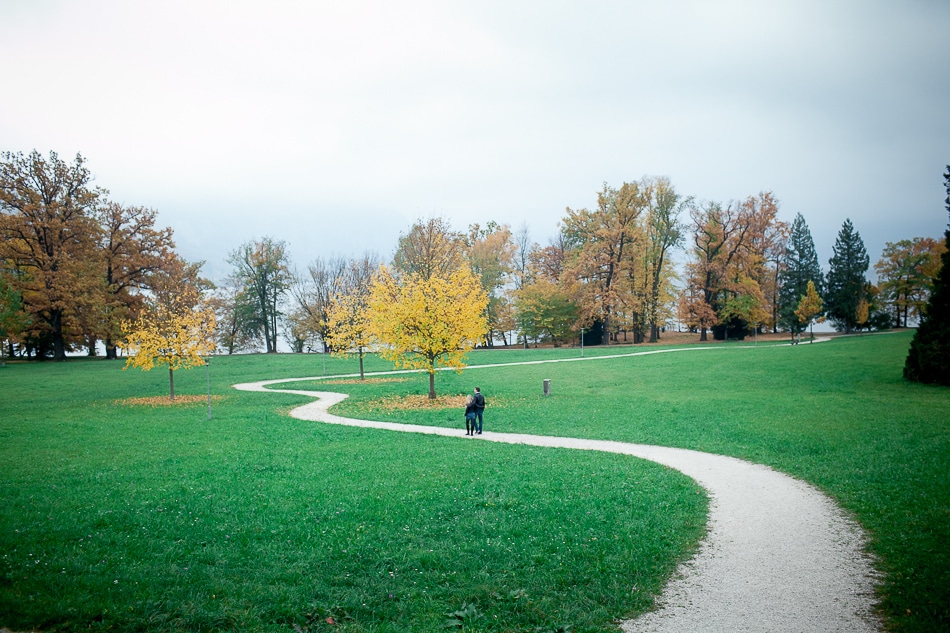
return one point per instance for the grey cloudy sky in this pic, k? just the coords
(334, 125)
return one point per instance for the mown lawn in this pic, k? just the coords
(836, 414)
(125, 518)
(118, 517)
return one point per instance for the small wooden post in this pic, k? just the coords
(208, 375)
(547, 386)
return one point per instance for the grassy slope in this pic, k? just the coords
(123, 518)
(836, 414)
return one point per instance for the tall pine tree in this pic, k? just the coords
(929, 357)
(800, 266)
(846, 284)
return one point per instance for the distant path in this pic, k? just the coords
(779, 555)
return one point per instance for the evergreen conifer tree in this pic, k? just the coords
(929, 357)
(801, 266)
(846, 283)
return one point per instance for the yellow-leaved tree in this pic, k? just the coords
(425, 322)
(809, 307)
(176, 331)
(177, 339)
(862, 312)
(348, 325)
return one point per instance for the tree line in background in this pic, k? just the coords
(74, 266)
(77, 270)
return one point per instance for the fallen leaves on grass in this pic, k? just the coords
(357, 381)
(165, 401)
(417, 402)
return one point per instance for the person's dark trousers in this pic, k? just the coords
(478, 421)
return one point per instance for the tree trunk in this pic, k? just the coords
(171, 383)
(362, 377)
(702, 334)
(59, 343)
(268, 347)
(432, 385)
(59, 346)
(268, 342)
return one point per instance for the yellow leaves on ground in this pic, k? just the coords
(420, 402)
(366, 381)
(165, 401)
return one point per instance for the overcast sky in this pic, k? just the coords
(335, 125)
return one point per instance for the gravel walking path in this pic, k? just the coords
(779, 555)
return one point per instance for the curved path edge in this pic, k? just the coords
(778, 556)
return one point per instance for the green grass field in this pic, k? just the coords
(127, 518)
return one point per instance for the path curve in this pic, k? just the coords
(779, 556)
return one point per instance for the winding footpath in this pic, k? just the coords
(779, 556)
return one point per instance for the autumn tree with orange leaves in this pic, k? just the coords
(717, 236)
(600, 268)
(764, 256)
(617, 264)
(78, 264)
(729, 265)
(49, 237)
(490, 253)
(906, 272)
(133, 250)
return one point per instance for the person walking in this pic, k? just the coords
(479, 402)
(470, 415)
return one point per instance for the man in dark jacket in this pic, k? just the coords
(479, 409)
